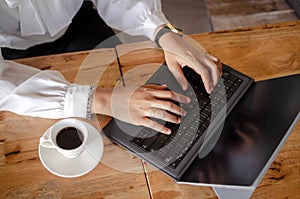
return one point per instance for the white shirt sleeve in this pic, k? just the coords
(136, 17)
(29, 91)
(29, 22)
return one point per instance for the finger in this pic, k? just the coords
(176, 70)
(215, 59)
(169, 106)
(168, 94)
(212, 68)
(217, 62)
(213, 64)
(155, 126)
(206, 68)
(203, 71)
(219, 65)
(163, 115)
(215, 74)
(156, 86)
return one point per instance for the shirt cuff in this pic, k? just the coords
(78, 101)
(154, 21)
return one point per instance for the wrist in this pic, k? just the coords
(166, 29)
(102, 101)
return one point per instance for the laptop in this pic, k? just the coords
(252, 136)
(213, 137)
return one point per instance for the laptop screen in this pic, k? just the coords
(250, 135)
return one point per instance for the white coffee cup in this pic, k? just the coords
(65, 126)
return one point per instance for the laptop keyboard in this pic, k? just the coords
(203, 108)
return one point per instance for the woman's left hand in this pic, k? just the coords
(185, 51)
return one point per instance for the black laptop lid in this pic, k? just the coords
(251, 133)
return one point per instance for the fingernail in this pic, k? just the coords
(168, 132)
(207, 87)
(184, 87)
(208, 90)
(188, 100)
(178, 120)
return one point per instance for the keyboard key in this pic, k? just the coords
(202, 129)
(186, 135)
(148, 142)
(197, 136)
(206, 123)
(156, 145)
(202, 118)
(238, 81)
(226, 74)
(182, 142)
(188, 107)
(175, 163)
(170, 157)
(202, 104)
(162, 138)
(228, 83)
(160, 154)
(138, 141)
(206, 111)
(232, 78)
(195, 125)
(234, 87)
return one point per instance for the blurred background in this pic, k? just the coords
(197, 16)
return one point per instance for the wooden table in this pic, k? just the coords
(260, 52)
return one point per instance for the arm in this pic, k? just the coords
(145, 17)
(136, 17)
(29, 91)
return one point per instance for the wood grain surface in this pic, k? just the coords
(22, 175)
(229, 14)
(261, 52)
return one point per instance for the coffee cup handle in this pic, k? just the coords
(46, 142)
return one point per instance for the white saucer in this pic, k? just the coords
(61, 166)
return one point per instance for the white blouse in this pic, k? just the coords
(24, 23)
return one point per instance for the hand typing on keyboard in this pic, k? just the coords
(141, 105)
(201, 112)
(184, 51)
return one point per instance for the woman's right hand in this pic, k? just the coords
(137, 105)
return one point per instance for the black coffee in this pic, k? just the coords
(69, 138)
